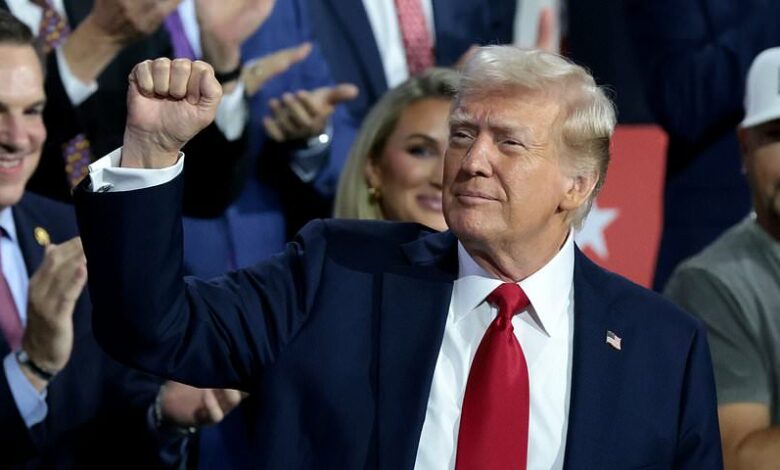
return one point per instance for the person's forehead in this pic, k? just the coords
(21, 77)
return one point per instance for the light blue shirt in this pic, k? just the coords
(30, 403)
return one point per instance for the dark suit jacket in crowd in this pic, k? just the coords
(696, 55)
(97, 415)
(344, 32)
(102, 118)
(338, 338)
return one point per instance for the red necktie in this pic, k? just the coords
(494, 419)
(10, 323)
(415, 35)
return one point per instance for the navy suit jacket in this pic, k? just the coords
(98, 408)
(695, 63)
(338, 337)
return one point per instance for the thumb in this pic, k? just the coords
(341, 93)
(210, 89)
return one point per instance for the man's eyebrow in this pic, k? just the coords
(459, 118)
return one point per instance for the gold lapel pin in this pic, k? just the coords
(42, 236)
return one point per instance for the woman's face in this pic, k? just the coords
(408, 173)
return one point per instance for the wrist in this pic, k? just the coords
(163, 424)
(38, 375)
(139, 152)
(223, 58)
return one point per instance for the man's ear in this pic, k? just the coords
(580, 187)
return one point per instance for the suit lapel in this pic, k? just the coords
(32, 251)
(414, 305)
(354, 22)
(596, 370)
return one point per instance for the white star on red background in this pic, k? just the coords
(591, 235)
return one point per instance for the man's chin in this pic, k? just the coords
(9, 196)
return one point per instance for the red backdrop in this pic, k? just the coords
(623, 230)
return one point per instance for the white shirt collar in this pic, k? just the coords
(548, 289)
(7, 223)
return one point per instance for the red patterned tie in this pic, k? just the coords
(415, 35)
(494, 420)
(52, 32)
(10, 323)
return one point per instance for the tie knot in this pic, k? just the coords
(509, 298)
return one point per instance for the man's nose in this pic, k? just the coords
(14, 135)
(477, 161)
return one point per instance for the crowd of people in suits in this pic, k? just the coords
(225, 127)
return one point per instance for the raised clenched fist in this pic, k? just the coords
(168, 103)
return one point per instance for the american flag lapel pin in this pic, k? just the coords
(613, 340)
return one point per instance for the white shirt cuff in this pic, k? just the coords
(108, 176)
(232, 113)
(77, 91)
(30, 403)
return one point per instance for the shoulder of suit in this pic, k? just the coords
(367, 243)
(637, 303)
(378, 231)
(53, 215)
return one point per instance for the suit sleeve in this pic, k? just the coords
(696, 57)
(218, 333)
(698, 444)
(18, 445)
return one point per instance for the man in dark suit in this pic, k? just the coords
(63, 402)
(496, 344)
(695, 62)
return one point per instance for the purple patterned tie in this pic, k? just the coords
(181, 45)
(52, 32)
(10, 323)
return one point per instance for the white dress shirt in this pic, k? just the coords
(232, 113)
(545, 332)
(30, 403)
(387, 33)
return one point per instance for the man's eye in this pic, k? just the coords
(459, 136)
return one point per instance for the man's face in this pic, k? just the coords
(762, 163)
(504, 178)
(22, 132)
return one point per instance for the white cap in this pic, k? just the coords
(762, 92)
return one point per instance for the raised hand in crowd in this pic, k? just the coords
(52, 294)
(168, 103)
(259, 71)
(547, 36)
(109, 27)
(225, 25)
(305, 114)
(547, 33)
(185, 406)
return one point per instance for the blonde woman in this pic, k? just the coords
(394, 169)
